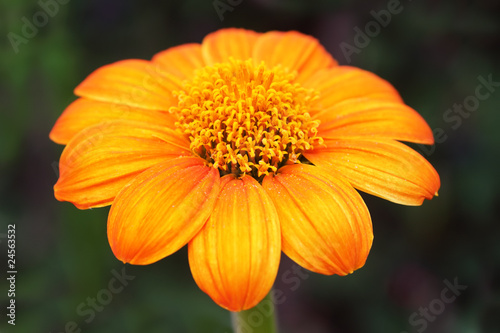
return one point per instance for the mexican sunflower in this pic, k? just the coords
(241, 147)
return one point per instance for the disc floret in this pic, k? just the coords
(246, 119)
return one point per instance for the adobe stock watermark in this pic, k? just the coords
(455, 115)
(221, 6)
(89, 308)
(31, 26)
(372, 29)
(420, 319)
(292, 278)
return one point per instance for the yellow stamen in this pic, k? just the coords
(244, 119)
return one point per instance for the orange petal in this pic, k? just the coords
(84, 113)
(219, 46)
(161, 210)
(292, 50)
(385, 168)
(325, 225)
(181, 60)
(375, 118)
(235, 257)
(101, 159)
(343, 82)
(138, 83)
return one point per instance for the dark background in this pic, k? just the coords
(433, 52)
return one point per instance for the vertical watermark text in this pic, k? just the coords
(11, 274)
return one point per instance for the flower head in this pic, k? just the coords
(245, 119)
(243, 146)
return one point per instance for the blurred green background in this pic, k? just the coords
(433, 52)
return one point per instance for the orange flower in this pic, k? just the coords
(243, 146)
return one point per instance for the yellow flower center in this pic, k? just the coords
(246, 119)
